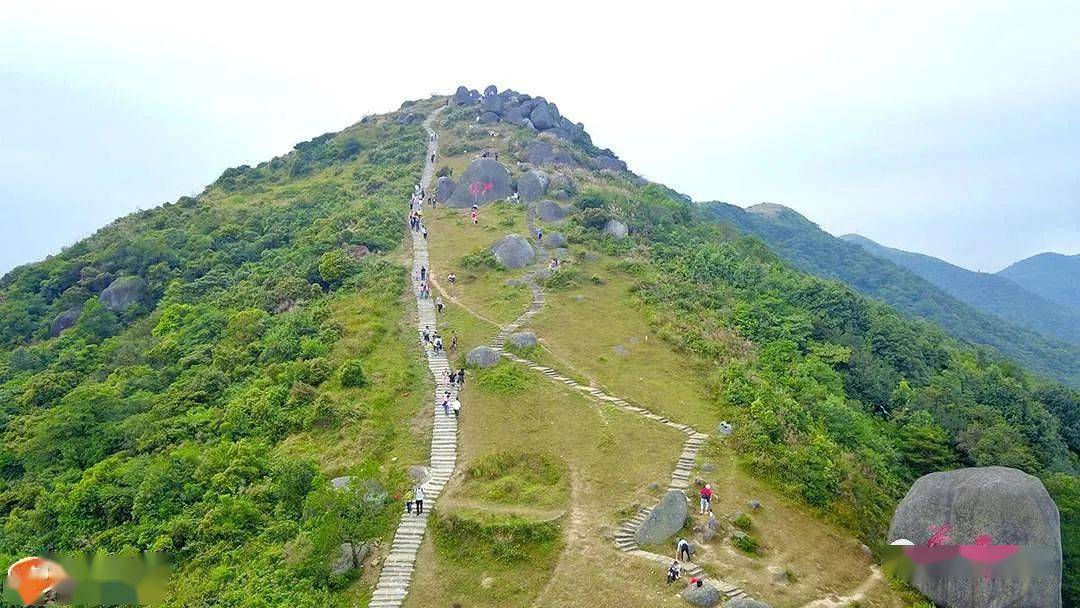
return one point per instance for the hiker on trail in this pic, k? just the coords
(706, 499)
(553, 264)
(432, 157)
(425, 233)
(456, 405)
(427, 334)
(696, 582)
(461, 377)
(446, 407)
(448, 377)
(674, 572)
(423, 273)
(408, 506)
(452, 278)
(475, 217)
(418, 496)
(439, 304)
(682, 549)
(438, 345)
(539, 235)
(453, 343)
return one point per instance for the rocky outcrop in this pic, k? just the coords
(555, 239)
(444, 189)
(532, 185)
(539, 152)
(349, 557)
(409, 118)
(522, 339)
(64, 320)
(995, 505)
(482, 356)
(513, 251)
(550, 211)
(616, 229)
(706, 595)
(463, 97)
(664, 521)
(485, 180)
(122, 293)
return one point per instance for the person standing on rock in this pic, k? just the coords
(706, 499)
(418, 497)
(682, 549)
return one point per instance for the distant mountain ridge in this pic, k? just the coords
(1053, 276)
(995, 294)
(809, 248)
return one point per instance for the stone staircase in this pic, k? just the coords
(680, 477)
(397, 568)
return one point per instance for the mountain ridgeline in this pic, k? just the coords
(809, 248)
(190, 378)
(990, 293)
(1053, 276)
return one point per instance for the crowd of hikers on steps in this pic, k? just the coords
(683, 550)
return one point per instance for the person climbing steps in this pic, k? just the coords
(682, 549)
(706, 499)
(418, 498)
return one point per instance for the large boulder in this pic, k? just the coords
(488, 118)
(485, 180)
(745, 602)
(349, 557)
(544, 116)
(482, 356)
(706, 595)
(550, 211)
(64, 320)
(539, 152)
(1006, 505)
(514, 116)
(555, 239)
(609, 162)
(532, 185)
(462, 97)
(522, 339)
(493, 104)
(123, 292)
(664, 521)
(616, 229)
(561, 188)
(513, 251)
(444, 188)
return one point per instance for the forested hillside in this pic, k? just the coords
(813, 250)
(1054, 276)
(190, 378)
(248, 351)
(990, 293)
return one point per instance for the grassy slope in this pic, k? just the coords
(579, 327)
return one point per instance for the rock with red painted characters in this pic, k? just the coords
(986, 537)
(485, 181)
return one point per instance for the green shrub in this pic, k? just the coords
(743, 522)
(478, 260)
(564, 278)
(352, 374)
(746, 544)
(504, 377)
(444, 171)
(508, 540)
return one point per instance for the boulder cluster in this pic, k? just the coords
(535, 113)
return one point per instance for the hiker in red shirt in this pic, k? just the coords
(706, 498)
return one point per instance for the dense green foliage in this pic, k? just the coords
(491, 538)
(991, 293)
(811, 249)
(836, 399)
(160, 427)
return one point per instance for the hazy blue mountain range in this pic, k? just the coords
(991, 293)
(809, 248)
(1053, 276)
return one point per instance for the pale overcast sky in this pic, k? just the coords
(950, 128)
